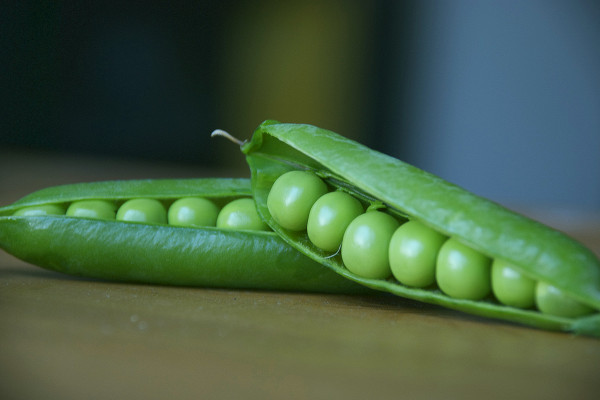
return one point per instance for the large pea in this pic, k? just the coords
(511, 287)
(241, 214)
(292, 196)
(41, 210)
(193, 211)
(97, 209)
(329, 217)
(462, 272)
(413, 253)
(551, 300)
(143, 210)
(366, 242)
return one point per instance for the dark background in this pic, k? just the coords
(501, 97)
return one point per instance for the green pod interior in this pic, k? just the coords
(539, 251)
(160, 254)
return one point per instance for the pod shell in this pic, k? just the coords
(539, 251)
(165, 255)
(160, 254)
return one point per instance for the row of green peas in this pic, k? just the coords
(377, 245)
(237, 214)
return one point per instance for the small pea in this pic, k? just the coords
(193, 211)
(329, 217)
(142, 210)
(241, 214)
(462, 272)
(97, 209)
(511, 287)
(41, 210)
(413, 253)
(551, 300)
(366, 242)
(292, 196)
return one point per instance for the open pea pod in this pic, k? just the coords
(158, 253)
(408, 193)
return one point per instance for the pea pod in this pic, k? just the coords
(408, 193)
(158, 253)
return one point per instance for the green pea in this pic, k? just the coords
(97, 209)
(41, 210)
(142, 210)
(551, 300)
(413, 253)
(510, 286)
(193, 211)
(292, 196)
(329, 217)
(462, 272)
(366, 242)
(241, 214)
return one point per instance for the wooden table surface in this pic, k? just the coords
(68, 338)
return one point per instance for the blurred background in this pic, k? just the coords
(500, 97)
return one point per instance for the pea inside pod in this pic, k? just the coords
(481, 231)
(413, 254)
(193, 211)
(98, 209)
(329, 217)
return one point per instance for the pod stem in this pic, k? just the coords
(227, 135)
